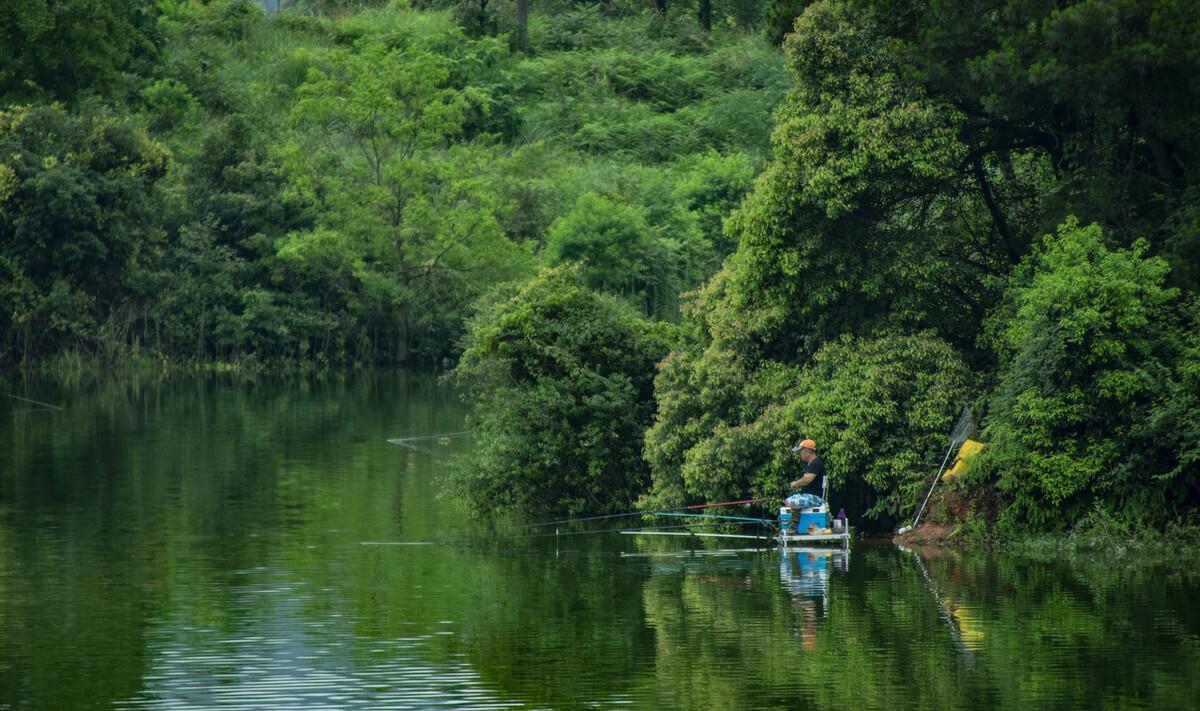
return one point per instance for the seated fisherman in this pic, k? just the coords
(811, 480)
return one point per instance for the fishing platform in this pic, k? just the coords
(813, 527)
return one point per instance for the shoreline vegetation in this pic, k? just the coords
(1100, 545)
(651, 246)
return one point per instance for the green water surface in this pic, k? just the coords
(224, 542)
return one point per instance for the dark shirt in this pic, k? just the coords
(817, 468)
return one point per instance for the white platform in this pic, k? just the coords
(801, 539)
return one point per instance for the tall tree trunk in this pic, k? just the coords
(705, 14)
(523, 25)
(998, 219)
(402, 336)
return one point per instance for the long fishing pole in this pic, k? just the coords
(638, 513)
(613, 530)
(556, 534)
(34, 402)
(744, 519)
(528, 536)
(539, 524)
(960, 434)
(723, 503)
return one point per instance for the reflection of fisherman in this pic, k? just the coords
(810, 480)
(805, 574)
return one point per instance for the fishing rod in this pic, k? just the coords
(660, 529)
(556, 534)
(693, 534)
(962, 431)
(34, 402)
(608, 530)
(443, 435)
(450, 539)
(640, 513)
(723, 503)
(745, 519)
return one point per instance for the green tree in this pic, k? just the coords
(1086, 339)
(370, 156)
(712, 187)
(611, 240)
(77, 218)
(64, 47)
(623, 254)
(196, 297)
(559, 378)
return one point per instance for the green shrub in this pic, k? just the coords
(559, 378)
(1086, 339)
(712, 186)
(78, 221)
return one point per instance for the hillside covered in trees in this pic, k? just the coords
(656, 245)
(339, 182)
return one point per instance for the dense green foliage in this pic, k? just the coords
(560, 380)
(877, 407)
(924, 151)
(339, 182)
(1087, 342)
(57, 48)
(76, 226)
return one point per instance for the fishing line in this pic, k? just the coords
(408, 441)
(459, 539)
(639, 513)
(34, 402)
(444, 435)
(606, 530)
(723, 503)
(727, 518)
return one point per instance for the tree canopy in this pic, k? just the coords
(560, 380)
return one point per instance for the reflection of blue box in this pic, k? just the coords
(820, 520)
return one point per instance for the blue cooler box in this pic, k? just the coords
(810, 517)
(820, 520)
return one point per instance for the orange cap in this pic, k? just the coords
(805, 444)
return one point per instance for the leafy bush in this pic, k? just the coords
(712, 187)
(1087, 339)
(560, 382)
(612, 242)
(77, 217)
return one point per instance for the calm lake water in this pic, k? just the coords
(222, 542)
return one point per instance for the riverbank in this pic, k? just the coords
(73, 365)
(1098, 541)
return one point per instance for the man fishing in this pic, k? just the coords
(811, 480)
